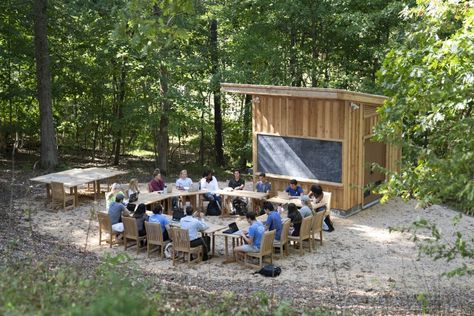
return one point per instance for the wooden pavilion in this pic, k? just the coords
(319, 136)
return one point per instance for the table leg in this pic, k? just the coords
(213, 244)
(48, 191)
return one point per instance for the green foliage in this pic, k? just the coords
(429, 79)
(115, 287)
(439, 248)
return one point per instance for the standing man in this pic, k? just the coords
(194, 225)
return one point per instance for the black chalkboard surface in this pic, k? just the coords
(300, 157)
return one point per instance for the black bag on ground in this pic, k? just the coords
(133, 197)
(240, 206)
(269, 271)
(213, 209)
(178, 213)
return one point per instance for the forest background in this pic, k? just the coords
(104, 79)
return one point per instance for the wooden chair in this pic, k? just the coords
(317, 227)
(181, 243)
(282, 244)
(266, 249)
(106, 226)
(130, 231)
(327, 200)
(305, 234)
(154, 236)
(59, 196)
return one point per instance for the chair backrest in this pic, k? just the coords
(285, 231)
(327, 200)
(130, 229)
(180, 239)
(104, 222)
(266, 247)
(57, 191)
(318, 221)
(153, 232)
(305, 229)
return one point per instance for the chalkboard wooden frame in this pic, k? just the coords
(300, 157)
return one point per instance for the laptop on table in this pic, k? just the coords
(233, 228)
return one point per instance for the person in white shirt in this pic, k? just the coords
(209, 183)
(182, 183)
(194, 225)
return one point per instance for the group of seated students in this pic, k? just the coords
(194, 222)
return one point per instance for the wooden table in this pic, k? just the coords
(280, 201)
(240, 193)
(150, 198)
(72, 178)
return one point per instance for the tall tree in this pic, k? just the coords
(215, 87)
(49, 153)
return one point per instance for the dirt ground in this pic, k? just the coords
(361, 267)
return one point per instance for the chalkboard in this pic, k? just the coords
(300, 157)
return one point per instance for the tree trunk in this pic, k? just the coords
(162, 146)
(119, 114)
(49, 151)
(293, 64)
(201, 141)
(215, 87)
(247, 124)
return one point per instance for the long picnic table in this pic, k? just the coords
(73, 178)
(228, 192)
(150, 198)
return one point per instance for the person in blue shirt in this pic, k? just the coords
(253, 237)
(158, 217)
(263, 185)
(194, 225)
(273, 221)
(294, 189)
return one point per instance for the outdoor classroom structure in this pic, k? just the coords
(320, 136)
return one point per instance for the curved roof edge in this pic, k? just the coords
(303, 92)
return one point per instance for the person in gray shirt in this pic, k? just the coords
(305, 210)
(116, 210)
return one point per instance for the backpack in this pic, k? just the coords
(213, 209)
(269, 271)
(240, 206)
(178, 213)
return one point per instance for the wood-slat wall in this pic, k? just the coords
(322, 119)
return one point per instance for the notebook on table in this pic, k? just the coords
(233, 228)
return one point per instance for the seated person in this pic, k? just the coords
(273, 221)
(132, 188)
(305, 210)
(141, 218)
(296, 219)
(194, 225)
(110, 196)
(253, 238)
(294, 190)
(317, 194)
(263, 185)
(181, 183)
(158, 217)
(209, 183)
(157, 183)
(116, 210)
(237, 183)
